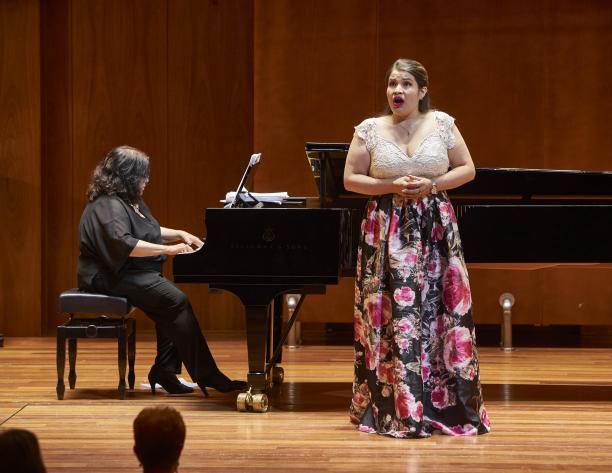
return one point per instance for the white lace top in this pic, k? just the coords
(429, 160)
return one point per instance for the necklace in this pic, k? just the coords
(136, 208)
(409, 127)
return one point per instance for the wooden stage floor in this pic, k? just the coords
(551, 410)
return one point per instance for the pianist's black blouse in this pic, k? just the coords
(108, 232)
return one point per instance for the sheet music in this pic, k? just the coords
(269, 197)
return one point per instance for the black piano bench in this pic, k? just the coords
(100, 316)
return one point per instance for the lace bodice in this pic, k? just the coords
(429, 160)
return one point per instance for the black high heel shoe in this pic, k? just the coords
(222, 383)
(169, 382)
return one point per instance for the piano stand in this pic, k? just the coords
(294, 338)
(506, 301)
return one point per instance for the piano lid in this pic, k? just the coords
(538, 182)
(327, 164)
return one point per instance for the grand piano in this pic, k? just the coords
(261, 254)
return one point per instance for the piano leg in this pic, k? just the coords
(258, 334)
(257, 337)
(264, 345)
(262, 349)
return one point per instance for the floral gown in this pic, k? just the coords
(416, 364)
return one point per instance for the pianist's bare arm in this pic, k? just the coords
(169, 234)
(356, 177)
(144, 248)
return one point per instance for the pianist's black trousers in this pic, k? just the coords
(178, 331)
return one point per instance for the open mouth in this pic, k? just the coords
(398, 101)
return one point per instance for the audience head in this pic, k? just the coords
(124, 172)
(159, 436)
(19, 452)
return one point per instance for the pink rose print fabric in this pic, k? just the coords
(416, 363)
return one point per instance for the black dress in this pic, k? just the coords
(108, 232)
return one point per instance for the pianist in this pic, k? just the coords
(416, 367)
(122, 252)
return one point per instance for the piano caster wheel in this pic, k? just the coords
(278, 375)
(260, 403)
(252, 402)
(244, 401)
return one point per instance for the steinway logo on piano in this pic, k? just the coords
(240, 245)
(268, 235)
(268, 242)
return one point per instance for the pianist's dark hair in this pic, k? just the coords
(120, 173)
(420, 74)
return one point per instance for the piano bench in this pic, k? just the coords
(100, 316)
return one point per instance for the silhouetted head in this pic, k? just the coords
(19, 452)
(159, 436)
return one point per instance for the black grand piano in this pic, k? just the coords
(261, 254)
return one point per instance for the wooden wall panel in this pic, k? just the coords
(525, 285)
(527, 82)
(210, 96)
(20, 186)
(119, 88)
(579, 98)
(152, 75)
(580, 296)
(59, 237)
(119, 75)
(486, 68)
(314, 81)
(335, 306)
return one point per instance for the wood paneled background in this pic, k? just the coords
(20, 182)
(199, 85)
(173, 78)
(526, 81)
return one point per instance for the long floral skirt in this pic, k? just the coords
(416, 365)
